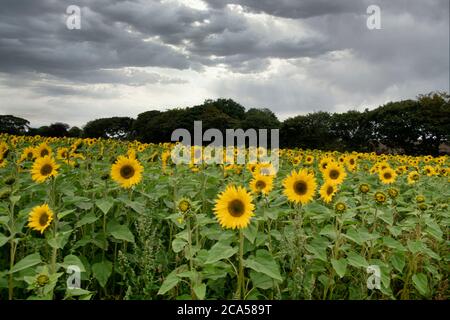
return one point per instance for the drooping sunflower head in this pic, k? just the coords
(44, 168)
(261, 184)
(40, 218)
(380, 197)
(327, 191)
(334, 173)
(300, 187)
(393, 193)
(234, 208)
(127, 171)
(387, 175)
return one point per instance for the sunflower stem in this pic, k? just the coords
(241, 266)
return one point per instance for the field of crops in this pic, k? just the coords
(137, 226)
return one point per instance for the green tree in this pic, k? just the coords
(13, 125)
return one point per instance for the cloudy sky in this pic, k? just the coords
(292, 56)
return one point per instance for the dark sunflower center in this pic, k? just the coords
(44, 152)
(236, 208)
(387, 175)
(300, 187)
(324, 165)
(260, 184)
(330, 190)
(352, 161)
(334, 174)
(43, 219)
(127, 172)
(30, 155)
(46, 169)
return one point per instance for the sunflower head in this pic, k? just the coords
(127, 172)
(340, 207)
(413, 177)
(40, 218)
(364, 188)
(261, 184)
(300, 187)
(327, 191)
(380, 197)
(387, 175)
(334, 173)
(420, 199)
(44, 168)
(42, 279)
(234, 208)
(184, 205)
(393, 193)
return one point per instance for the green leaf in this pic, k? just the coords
(220, 251)
(393, 244)
(200, 290)
(60, 240)
(387, 217)
(87, 219)
(65, 213)
(263, 262)
(356, 260)
(3, 239)
(318, 251)
(102, 271)
(398, 261)
(120, 232)
(260, 280)
(27, 262)
(251, 232)
(178, 244)
(105, 205)
(353, 235)
(420, 282)
(170, 282)
(340, 266)
(135, 205)
(72, 260)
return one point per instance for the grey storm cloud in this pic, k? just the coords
(292, 56)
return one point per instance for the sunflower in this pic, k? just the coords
(380, 197)
(44, 168)
(27, 154)
(327, 191)
(127, 172)
(40, 218)
(334, 173)
(43, 150)
(340, 207)
(63, 153)
(324, 163)
(364, 188)
(184, 205)
(234, 208)
(387, 176)
(300, 187)
(261, 184)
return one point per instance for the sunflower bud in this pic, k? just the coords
(393, 193)
(42, 280)
(364, 188)
(340, 207)
(420, 199)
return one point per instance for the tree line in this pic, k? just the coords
(414, 127)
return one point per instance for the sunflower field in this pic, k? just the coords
(136, 226)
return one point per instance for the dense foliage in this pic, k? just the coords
(139, 227)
